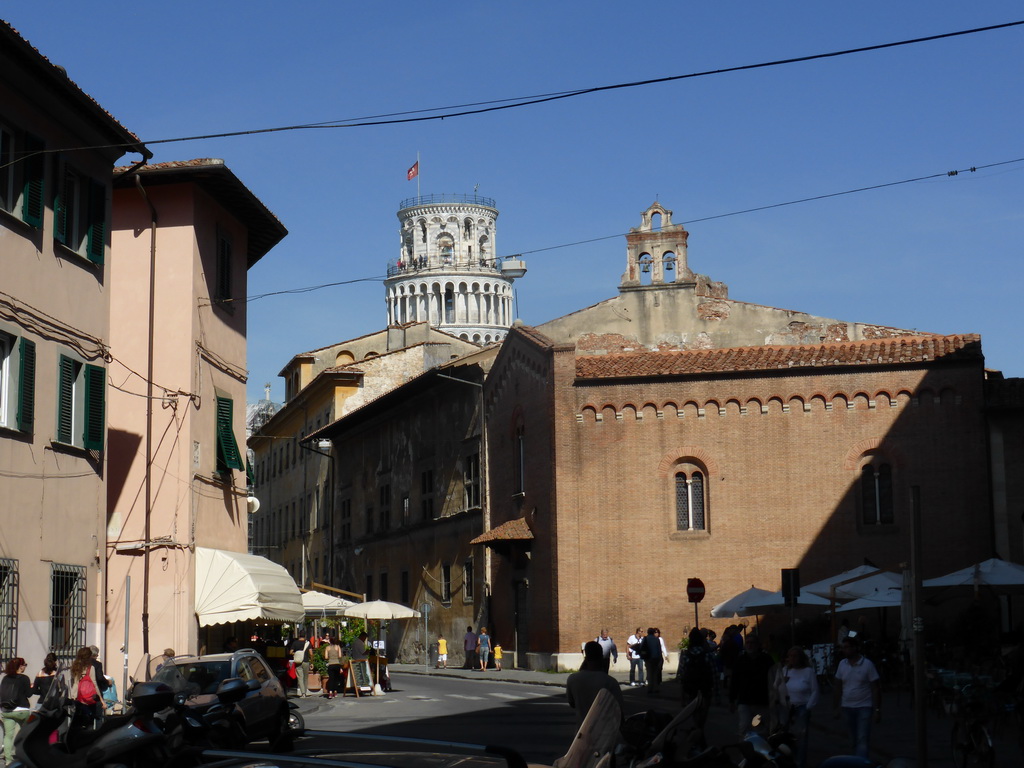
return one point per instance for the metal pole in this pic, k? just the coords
(127, 615)
(920, 688)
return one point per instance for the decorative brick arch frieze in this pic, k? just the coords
(669, 460)
(877, 445)
(776, 403)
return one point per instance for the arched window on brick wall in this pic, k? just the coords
(876, 505)
(691, 496)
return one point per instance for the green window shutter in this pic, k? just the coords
(65, 399)
(32, 200)
(228, 456)
(60, 208)
(92, 434)
(97, 222)
(250, 476)
(27, 386)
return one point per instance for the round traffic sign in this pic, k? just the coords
(694, 590)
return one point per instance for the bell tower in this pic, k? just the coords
(657, 251)
(656, 257)
(447, 273)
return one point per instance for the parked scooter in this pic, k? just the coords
(136, 738)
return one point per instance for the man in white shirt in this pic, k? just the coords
(636, 664)
(859, 694)
(608, 649)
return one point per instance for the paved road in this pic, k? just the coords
(527, 710)
(535, 719)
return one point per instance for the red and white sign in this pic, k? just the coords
(694, 590)
(413, 172)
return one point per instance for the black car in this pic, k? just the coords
(264, 712)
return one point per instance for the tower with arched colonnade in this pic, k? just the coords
(448, 273)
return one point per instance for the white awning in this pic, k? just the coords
(234, 586)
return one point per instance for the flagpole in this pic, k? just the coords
(417, 174)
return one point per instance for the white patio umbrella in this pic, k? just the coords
(857, 582)
(381, 610)
(891, 597)
(737, 605)
(996, 573)
(775, 601)
(319, 605)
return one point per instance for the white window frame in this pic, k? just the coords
(7, 344)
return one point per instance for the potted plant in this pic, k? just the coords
(317, 669)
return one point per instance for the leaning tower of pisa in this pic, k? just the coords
(447, 272)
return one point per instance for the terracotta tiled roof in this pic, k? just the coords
(11, 36)
(900, 350)
(513, 530)
(531, 333)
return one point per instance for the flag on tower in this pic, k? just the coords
(413, 172)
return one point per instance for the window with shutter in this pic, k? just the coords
(228, 455)
(67, 372)
(96, 237)
(222, 289)
(8, 172)
(27, 385)
(32, 197)
(92, 434)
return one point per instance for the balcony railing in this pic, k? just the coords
(411, 202)
(434, 264)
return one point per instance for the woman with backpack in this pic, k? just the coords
(85, 691)
(14, 693)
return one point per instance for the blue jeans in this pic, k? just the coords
(799, 722)
(634, 665)
(858, 721)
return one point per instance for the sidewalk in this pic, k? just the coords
(891, 738)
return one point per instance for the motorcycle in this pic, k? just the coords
(50, 736)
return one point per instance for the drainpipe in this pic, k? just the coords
(149, 417)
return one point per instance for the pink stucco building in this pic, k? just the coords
(184, 235)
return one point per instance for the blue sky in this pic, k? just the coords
(943, 255)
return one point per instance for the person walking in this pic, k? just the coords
(858, 693)
(636, 664)
(608, 649)
(85, 693)
(45, 676)
(581, 688)
(14, 709)
(483, 648)
(300, 653)
(696, 672)
(797, 686)
(442, 652)
(749, 688)
(654, 660)
(100, 678)
(469, 645)
(498, 653)
(332, 655)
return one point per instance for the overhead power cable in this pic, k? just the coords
(884, 185)
(494, 105)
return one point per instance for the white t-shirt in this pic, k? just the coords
(799, 686)
(856, 679)
(631, 643)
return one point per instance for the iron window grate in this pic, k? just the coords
(8, 608)
(67, 610)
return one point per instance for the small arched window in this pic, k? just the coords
(691, 500)
(876, 494)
